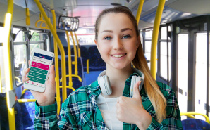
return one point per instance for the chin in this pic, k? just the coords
(120, 67)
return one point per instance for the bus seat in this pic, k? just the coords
(28, 111)
(96, 62)
(195, 124)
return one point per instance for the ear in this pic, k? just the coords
(96, 42)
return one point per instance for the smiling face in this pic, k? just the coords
(117, 40)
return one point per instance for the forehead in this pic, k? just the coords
(115, 21)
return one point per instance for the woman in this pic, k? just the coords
(118, 41)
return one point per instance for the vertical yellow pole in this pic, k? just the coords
(155, 37)
(87, 66)
(139, 11)
(78, 48)
(75, 53)
(7, 63)
(69, 60)
(59, 45)
(58, 98)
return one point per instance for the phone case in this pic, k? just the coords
(39, 69)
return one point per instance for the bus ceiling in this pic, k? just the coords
(88, 10)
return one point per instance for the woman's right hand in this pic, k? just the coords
(48, 96)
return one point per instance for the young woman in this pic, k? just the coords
(89, 107)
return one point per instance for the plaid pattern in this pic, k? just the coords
(80, 111)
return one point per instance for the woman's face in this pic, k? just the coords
(117, 40)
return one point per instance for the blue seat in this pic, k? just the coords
(195, 124)
(96, 62)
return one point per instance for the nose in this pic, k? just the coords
(117, 44)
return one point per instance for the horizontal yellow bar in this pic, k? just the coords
(26, 100)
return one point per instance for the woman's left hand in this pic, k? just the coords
(130, 110)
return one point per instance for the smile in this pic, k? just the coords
(119, 56)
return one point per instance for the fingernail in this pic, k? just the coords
(27, 78)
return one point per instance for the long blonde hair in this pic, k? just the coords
(150, 85)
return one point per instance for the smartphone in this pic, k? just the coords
(40, 63)
(134, 80)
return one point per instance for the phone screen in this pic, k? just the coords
(39, 67)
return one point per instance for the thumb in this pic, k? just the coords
(136, 92)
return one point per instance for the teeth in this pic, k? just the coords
(118, 56)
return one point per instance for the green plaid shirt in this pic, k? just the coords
(80, 111)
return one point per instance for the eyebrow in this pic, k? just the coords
(122, 30)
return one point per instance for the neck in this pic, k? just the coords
(117, 79)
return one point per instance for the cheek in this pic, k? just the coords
(103, 50)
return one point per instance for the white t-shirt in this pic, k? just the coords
(107, 107)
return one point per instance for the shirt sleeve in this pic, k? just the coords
(46, 117)
(172, 120)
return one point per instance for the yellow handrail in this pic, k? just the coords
(78, 48)
(26, 100)
(155, 36)
(18, 79)
(27, 16)
(59, 45)
(87, 66)
(75, 53)
(69, 87)
(73, 75)
(139, 11)
(69, 60)
(189, 114)
(58, 98)
(40, 26)
(7, 63)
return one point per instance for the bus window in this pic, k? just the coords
(183, 72)
(20, 35)
(163, 62)
(37, 45)
(19, 53)
(201, 75)
(36, 37)
(20, 59)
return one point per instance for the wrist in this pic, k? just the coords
(46, 103)
(145, 121)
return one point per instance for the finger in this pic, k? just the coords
(52, 74)
(24, 78)
(136, 92)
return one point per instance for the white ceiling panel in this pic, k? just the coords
(192, 6)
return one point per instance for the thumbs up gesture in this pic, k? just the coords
(130, 110)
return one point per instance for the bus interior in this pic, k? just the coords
(181, 60)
